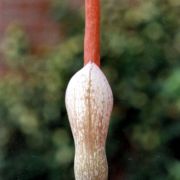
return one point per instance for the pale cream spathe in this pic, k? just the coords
(89, 104)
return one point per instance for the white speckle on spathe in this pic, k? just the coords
(96, 173)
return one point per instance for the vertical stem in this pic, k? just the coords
(92, 32)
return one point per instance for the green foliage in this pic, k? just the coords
(140, 56)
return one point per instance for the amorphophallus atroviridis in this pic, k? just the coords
(89, 104)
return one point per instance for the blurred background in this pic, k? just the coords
(41, 47)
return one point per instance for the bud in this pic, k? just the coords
(89, 104)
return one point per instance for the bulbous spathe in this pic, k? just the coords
(89, 104)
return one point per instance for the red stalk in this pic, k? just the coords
(92, 32)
